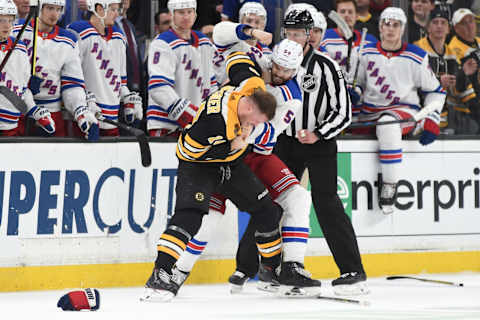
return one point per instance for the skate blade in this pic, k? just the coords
(299, 292)
(155, 295)
(235, 288)
(267, 286)
(351, 289)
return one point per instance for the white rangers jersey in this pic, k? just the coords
(289, 102)
(390, 81)
(229, 37)
(104, 66)
(15, 76)
(178, 68)
(58, 64)
(337, 48)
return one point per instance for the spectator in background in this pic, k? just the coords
(208, 13)
(417, 24)
(163, 20)
(464, 44)
(23, 7)
(139, 14)
(365, 19)
(377, 6)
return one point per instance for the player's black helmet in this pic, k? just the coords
(298, 19)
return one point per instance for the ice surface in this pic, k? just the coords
(396, 299)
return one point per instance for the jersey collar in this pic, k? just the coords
(193, 39)
(391, 54)
(6, 45)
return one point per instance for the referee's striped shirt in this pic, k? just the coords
(327, 108)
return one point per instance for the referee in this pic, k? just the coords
(310, 143)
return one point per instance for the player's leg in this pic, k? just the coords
(336, 225)
(390, 154)
(194, 187)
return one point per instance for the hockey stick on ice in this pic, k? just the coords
(344, 300)
(145, 154)
(426, 280)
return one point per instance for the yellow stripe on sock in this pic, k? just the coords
(271, 254)
(269, 244)
(175, 240)
(169, 251)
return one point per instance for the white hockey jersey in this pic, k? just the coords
(337, 48)
(178, 68)
(229, 37)
(104, 66)
(390, 81)
(15, 76)
(289, 102)
(58, 64)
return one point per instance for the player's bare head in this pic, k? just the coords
(8, 11)
(286, 59)
(106, 10)
(463, 21)
(392, 24)
(23, 7)
(51, 11)
(347, 9)
(438, 26)
(257, 108)
(297, 25)
(253, 14)
(184, 13)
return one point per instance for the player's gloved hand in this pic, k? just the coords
(132, 104)
(92, 104)
(34, 84)
(354, 94)
(430, 131)
(182, 111)
(43, 118)
(87, 123)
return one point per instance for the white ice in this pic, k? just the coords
(395, 299)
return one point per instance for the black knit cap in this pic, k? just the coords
(440, 12)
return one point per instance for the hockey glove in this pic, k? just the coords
(92, 104)
(87, 123)
(87, 299)
(182, 111)
(43, 119)
(132, 104)
(34, 84)
(355, 94)
(430, 131)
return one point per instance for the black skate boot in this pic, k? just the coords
(267, 278)
(297, 280)
(237, 281)
(160, 287)
(388, 195)
(351, 284)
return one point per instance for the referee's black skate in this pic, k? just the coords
(296, 281)
(351, 284)
(160, 287)
(237, 281)
(267, 279)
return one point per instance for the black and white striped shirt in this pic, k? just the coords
(327, 108)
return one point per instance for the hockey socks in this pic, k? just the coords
(269, 246)
(170, 246)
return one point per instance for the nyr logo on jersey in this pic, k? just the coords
(384, 87)
(113, 80)
(309, 82)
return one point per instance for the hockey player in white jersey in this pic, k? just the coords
(391, 74)
(102, 48)
(62, 90)
(180, 72)
(284, 188)
(247, 36)
(15, 76)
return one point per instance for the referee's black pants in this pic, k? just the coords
(320, 159)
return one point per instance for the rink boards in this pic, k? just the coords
(79, 215)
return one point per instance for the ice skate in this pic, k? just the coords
(350, 284)
(387, 197)
(160, 287)
(237, 280)
(267, 279)
(296, 281)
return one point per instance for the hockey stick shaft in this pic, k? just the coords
(145, 153)
(364, 124)
(35, 7)
(426, 280)
(344, 300)
(362, 44)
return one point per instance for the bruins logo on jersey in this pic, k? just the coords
(199, 196)
(309, 82)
